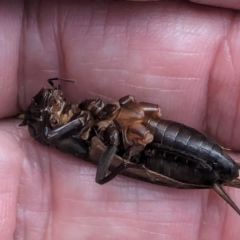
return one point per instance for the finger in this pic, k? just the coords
(162, 52)
(10, 170)
(234, 4)
(10, 24)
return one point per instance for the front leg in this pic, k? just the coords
(53, 135)
(61, 138)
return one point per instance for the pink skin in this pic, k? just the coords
(234, 4)
(182, 56)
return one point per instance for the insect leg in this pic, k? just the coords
(111, 136)
(138, 136)
(219, 190)
(74, 146)
(133, 152)
(104, 163)
(123, 166)
(55, 134)
(62, 139)
(151, 110)
(126, 100)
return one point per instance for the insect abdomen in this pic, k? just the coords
(183, 148)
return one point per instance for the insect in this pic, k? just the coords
(132, 139)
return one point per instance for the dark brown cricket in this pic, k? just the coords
(132, 139)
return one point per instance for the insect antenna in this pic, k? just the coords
(50, 81)
(219, 190)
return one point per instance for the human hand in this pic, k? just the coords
(180, 55)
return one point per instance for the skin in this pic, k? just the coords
(180, 55)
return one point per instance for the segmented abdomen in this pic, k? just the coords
(182, 149)
(180, 137)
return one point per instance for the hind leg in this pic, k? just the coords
(118, 170)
